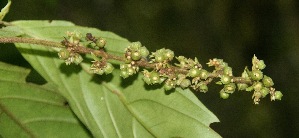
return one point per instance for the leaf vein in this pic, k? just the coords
(33, 100)
(140, 100)
(111, 115)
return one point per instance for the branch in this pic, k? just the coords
(30, 41)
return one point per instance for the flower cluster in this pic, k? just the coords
(133, 53)
(159, 68)
(100, 67)
(72, 40)
(261, 84)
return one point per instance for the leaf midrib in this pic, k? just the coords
(124, 102)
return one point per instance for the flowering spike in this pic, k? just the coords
(187, 73)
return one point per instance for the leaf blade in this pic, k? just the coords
(17, 98)
(5, 10)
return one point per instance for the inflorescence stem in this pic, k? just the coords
(178, 74)
(102, 53)
(30, 41)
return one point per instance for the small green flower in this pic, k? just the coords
(168, 54)
(77, 58)
(155, 78)
(225, 79)
(64, 54)
(227, 71)
(256, 75)
(242, 86)
(100, 42)
(144, 52)
(98, 71)
(261, 65)
(130, 71)
(257, 86)
(229, 88)
(224, 95)
(169, 85)
(203, 88)
(159, 58)
(278, 95)
(109, 68)
(124, 74)
(194, 72)
(136, 55)
(185, 83)
(264, 91)
(147, 80)
(134, 46)
(203, 74)
(267, 81)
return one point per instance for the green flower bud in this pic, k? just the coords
(77, 59)
(168, 54)
(245, 74)
(159, 58)
(267, 81)
(128, 60)
(194, 72)
(154, 76)
(144, 52)
(278, 95)
(227, 71)
(264, 91)
(261, 65)
(224, 95)
(130, 71)
(256, 75)
(229, 88)
(136, 55)
(257, 86)
(147, 80)
(64, 54)
(257, 95)
(135, 46)
(203, 88)
(248, 89)
(168, 87)
(98, 71)
(100, 42)
(203, 74)
(185, 83)
(242, 86)
(109, 68)
(162, 79)
(124, 74)
(225, 79)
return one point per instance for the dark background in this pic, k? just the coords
(233, 30)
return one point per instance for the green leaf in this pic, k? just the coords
(5, 10)
(108, 105)
(10, 31)
(28, 110)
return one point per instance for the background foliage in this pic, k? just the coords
(233, 30)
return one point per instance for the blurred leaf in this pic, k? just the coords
(10, 31)
(5, 10)
(28, 110)
(108, 105)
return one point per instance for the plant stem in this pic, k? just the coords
(102, 53)
(30, 41)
